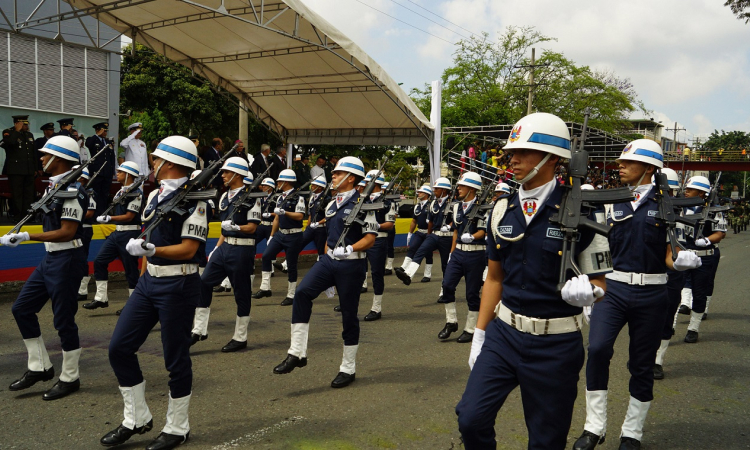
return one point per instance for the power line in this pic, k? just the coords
(405, 23)
(427, 18)
(443, 18)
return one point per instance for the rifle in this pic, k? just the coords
(392, 187)
(478, 206)
(58, 191)
(670, 211)
(248, 194)
(321, 199)
(360, 206)
(95, 175)
(129, 193)
(448, 210)
(189, 191)
(576, 205)
(702, 217)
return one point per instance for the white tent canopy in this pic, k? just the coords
(290, 68)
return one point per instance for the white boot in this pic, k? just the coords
(471, 321)
(200, 321)
(389, 264)
(377, 301)
(240, 329)
(226, 284)
(596, 412)
(348, 362)
(252, 282)
(272, 263)
(687, 297)
(265, 281)
(428, 270)
(695, 321)
(177, 416)
(634, 419)
(283, 264)
(364, 285)
(674, 321)
(708, 300)
(411, 269)
(136, 413)
(69, 372)
(84, 288)
(662, 351)
(38, 357)
(291, 288)
(130, 292)
(484, 274)
(406, 262)
(450, 313)
(299, 339)
(101, 291)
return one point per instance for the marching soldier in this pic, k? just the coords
(418, 232)
(316, 231)
(289, 211)
(127, 219)
(342, 267)
(167, 293)
(89, 219)
(57, 277)
(263, 232)
(20, 164)
(390, 251)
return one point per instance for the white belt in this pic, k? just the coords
(266, 223)
(290, 230)
(471, 247)
(640, 279)
(239, 241)
(421, 230)
(708, 252)
(382, 234)
(57, 246)
(443, 233)
(171, 271)
(87, 225)
(354, 255)
(127, 227)
(538, 327)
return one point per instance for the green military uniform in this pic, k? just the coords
(20, 165)
(733, 216)
(745, 215)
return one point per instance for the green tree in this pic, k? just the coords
(740, 8)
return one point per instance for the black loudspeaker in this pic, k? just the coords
(450, 143)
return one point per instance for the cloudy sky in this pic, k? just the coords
(688, 59)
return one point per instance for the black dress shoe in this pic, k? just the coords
(194, 338)
(289, 364)
(261, 293)
(118, 312)
(691, 337)
(587, 441)
(287, 301)
(95, 304)
(121, 434)
(337, 308)
(425, 279)
(31, 378)
(83, 297)
(684, 310)
(362, 290)
(404, 277)
(465, 337)
(279, 266)
(705, 316)
(399, 270)
(62, 389)
(449, 328)
(388, 272)
(272, 274)
(627, 443)
(372, 315)
(221, 288)
(166, 441)
(233, 346)
(658, 372)
(342, 380)
(440, 299)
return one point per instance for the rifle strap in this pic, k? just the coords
(498, 212)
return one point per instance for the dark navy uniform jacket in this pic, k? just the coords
(72, 209)
(459, 217)
(532, 264)
(438, 214)
(420, 214)
(132, 204)
(242, 215)
(709, 228)
(295, 203)
(335, 217)
(316, 207)
(175, 228)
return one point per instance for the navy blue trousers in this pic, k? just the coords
(675, 284)
(701, 283)
(318, 236)
(391, 240)
(236, 262)
(376, 256)
(291, 244)
(88, 234)
(415, 243)
(432, 243)
(347, 276)
(262, 232)
(546, 368)
(469, 265)
(171, 302)
(643, 309)
(56, 278)
(113, 248)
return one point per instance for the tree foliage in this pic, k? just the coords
(731, 141)
(740, 8)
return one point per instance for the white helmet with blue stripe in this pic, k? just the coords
(375, 173)
(63, 147)
(643, 150)
(177, 149)
(248, 178)
(131, 168)
(237, 165)
(320, 181)
(540, 131)
(502, 187)
(700, 183)
(84, 173)
(672, 179)
(268, 182)
(352, 165)
(470, 179)
(442, 183)
(425, 189)
(287, 175)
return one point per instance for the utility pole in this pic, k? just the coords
(531, 84)
(675, 129)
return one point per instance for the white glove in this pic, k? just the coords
(279, 211)
(376, 227)
(408, 238)
(8, 239)
(467, 238)
(229, 226)
(587, 310)
(313, 225)
(445, 228)
(580, 292)
(134, 247)
(702, 242)
(104, 219)
(476, 346)
(687, 260)
(339, 252)
(266, 215)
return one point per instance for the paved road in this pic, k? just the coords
(407, 386)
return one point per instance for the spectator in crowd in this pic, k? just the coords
(318, 169)
(260, 160)
(214, 154)
(301, 169)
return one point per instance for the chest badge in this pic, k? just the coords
(529, 207)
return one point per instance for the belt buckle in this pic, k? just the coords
(513, 321)
(184, 269)
(636, 278)
(536, 321)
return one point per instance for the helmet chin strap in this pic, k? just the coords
(230, 180)
(535, 170)
(156, 172)
(632, 188)
(46, 166)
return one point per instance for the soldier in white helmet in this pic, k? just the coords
(167, 293)
(57, 277)
(418, 232)
(88, 231)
